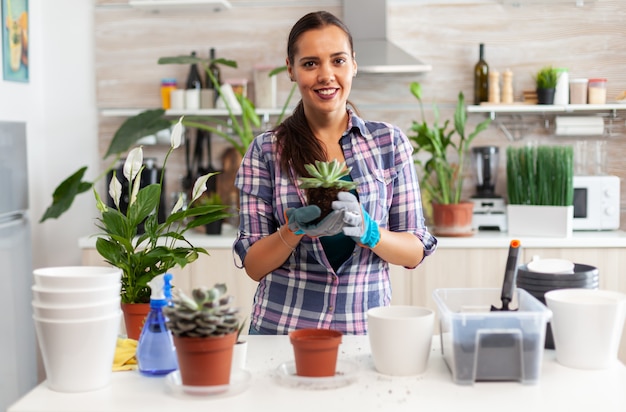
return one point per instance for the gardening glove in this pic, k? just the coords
(300, 221)
(358, 223)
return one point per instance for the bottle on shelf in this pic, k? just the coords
(481, 78)
(193, 86)
(561, 92)
(215, 71)
(209, 94)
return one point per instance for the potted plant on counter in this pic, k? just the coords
(443, 167)
(205, 329)
(161, 246)
(540, 190)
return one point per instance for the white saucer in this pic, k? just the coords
(239, 382)
(345, 375)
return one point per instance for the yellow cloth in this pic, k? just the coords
(124, 359)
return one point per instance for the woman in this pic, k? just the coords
(326, 275)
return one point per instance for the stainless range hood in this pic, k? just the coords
(367, 21)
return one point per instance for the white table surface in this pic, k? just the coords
(559, 389)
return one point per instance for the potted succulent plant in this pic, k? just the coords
(205, 329)
(540, 190)
(442, 172)
(161, 246)
(324, 182)
(546, 80)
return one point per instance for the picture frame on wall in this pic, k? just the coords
(15, 40)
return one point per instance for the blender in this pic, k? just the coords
(489, 208)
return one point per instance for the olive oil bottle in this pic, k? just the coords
(481, 78)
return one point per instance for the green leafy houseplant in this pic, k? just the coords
(442, 172)
(162, 246)
(540, 175)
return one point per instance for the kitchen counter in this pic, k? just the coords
(559, 388)
(485, 239)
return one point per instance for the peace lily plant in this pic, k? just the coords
(161, 246)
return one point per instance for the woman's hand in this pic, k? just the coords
(299, 221)
(358, 223)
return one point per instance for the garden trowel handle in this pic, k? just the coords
(510, 274)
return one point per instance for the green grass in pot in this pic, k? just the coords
(540, 175)
(546, 78)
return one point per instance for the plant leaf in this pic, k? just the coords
(64, 194)
(136, 127)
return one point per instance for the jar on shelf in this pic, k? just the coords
(597, 91)
(167, 85)
(578, 91)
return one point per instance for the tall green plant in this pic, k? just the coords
(540, 175)
(442, 174)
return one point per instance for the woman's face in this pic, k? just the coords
(323, 68)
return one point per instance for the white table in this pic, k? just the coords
(559, 388)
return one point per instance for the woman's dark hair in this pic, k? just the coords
(305, 148)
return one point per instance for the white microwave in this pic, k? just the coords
(596, 203)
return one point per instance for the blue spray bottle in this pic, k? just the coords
(156, 354)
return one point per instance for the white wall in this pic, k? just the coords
(58, 106)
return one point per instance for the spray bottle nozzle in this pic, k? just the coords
(161, 287)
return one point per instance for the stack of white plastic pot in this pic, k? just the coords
(77, 318)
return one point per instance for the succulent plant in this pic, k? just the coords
(206, 313)
(324, 184)
(327, 174)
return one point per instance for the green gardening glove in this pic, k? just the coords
(300, 221)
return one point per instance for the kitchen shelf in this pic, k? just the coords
(518, 111)
(493, 109)
(214, 5)
(201, 112)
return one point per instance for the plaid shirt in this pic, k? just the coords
(305, 292)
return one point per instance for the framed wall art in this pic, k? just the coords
(15, 40)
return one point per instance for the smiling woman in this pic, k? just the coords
(311, 272)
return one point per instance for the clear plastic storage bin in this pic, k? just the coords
(483, 345)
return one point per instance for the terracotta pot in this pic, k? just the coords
(134, 318)
(205, 361)
(315, 351)
(453, 219)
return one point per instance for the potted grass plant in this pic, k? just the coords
(545, 81)
(540, 190)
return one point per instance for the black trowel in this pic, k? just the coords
(510, 276)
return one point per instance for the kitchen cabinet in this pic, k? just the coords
(471, 262)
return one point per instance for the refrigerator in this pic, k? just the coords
(18, 346)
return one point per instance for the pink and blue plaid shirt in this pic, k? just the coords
(305, 292)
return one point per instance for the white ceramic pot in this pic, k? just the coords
(400, 338)
(587, 326)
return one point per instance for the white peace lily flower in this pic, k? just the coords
(177, 133)
(199, 187)
(178, 205)
(136, 184)
(115, 190)
(133, 163)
